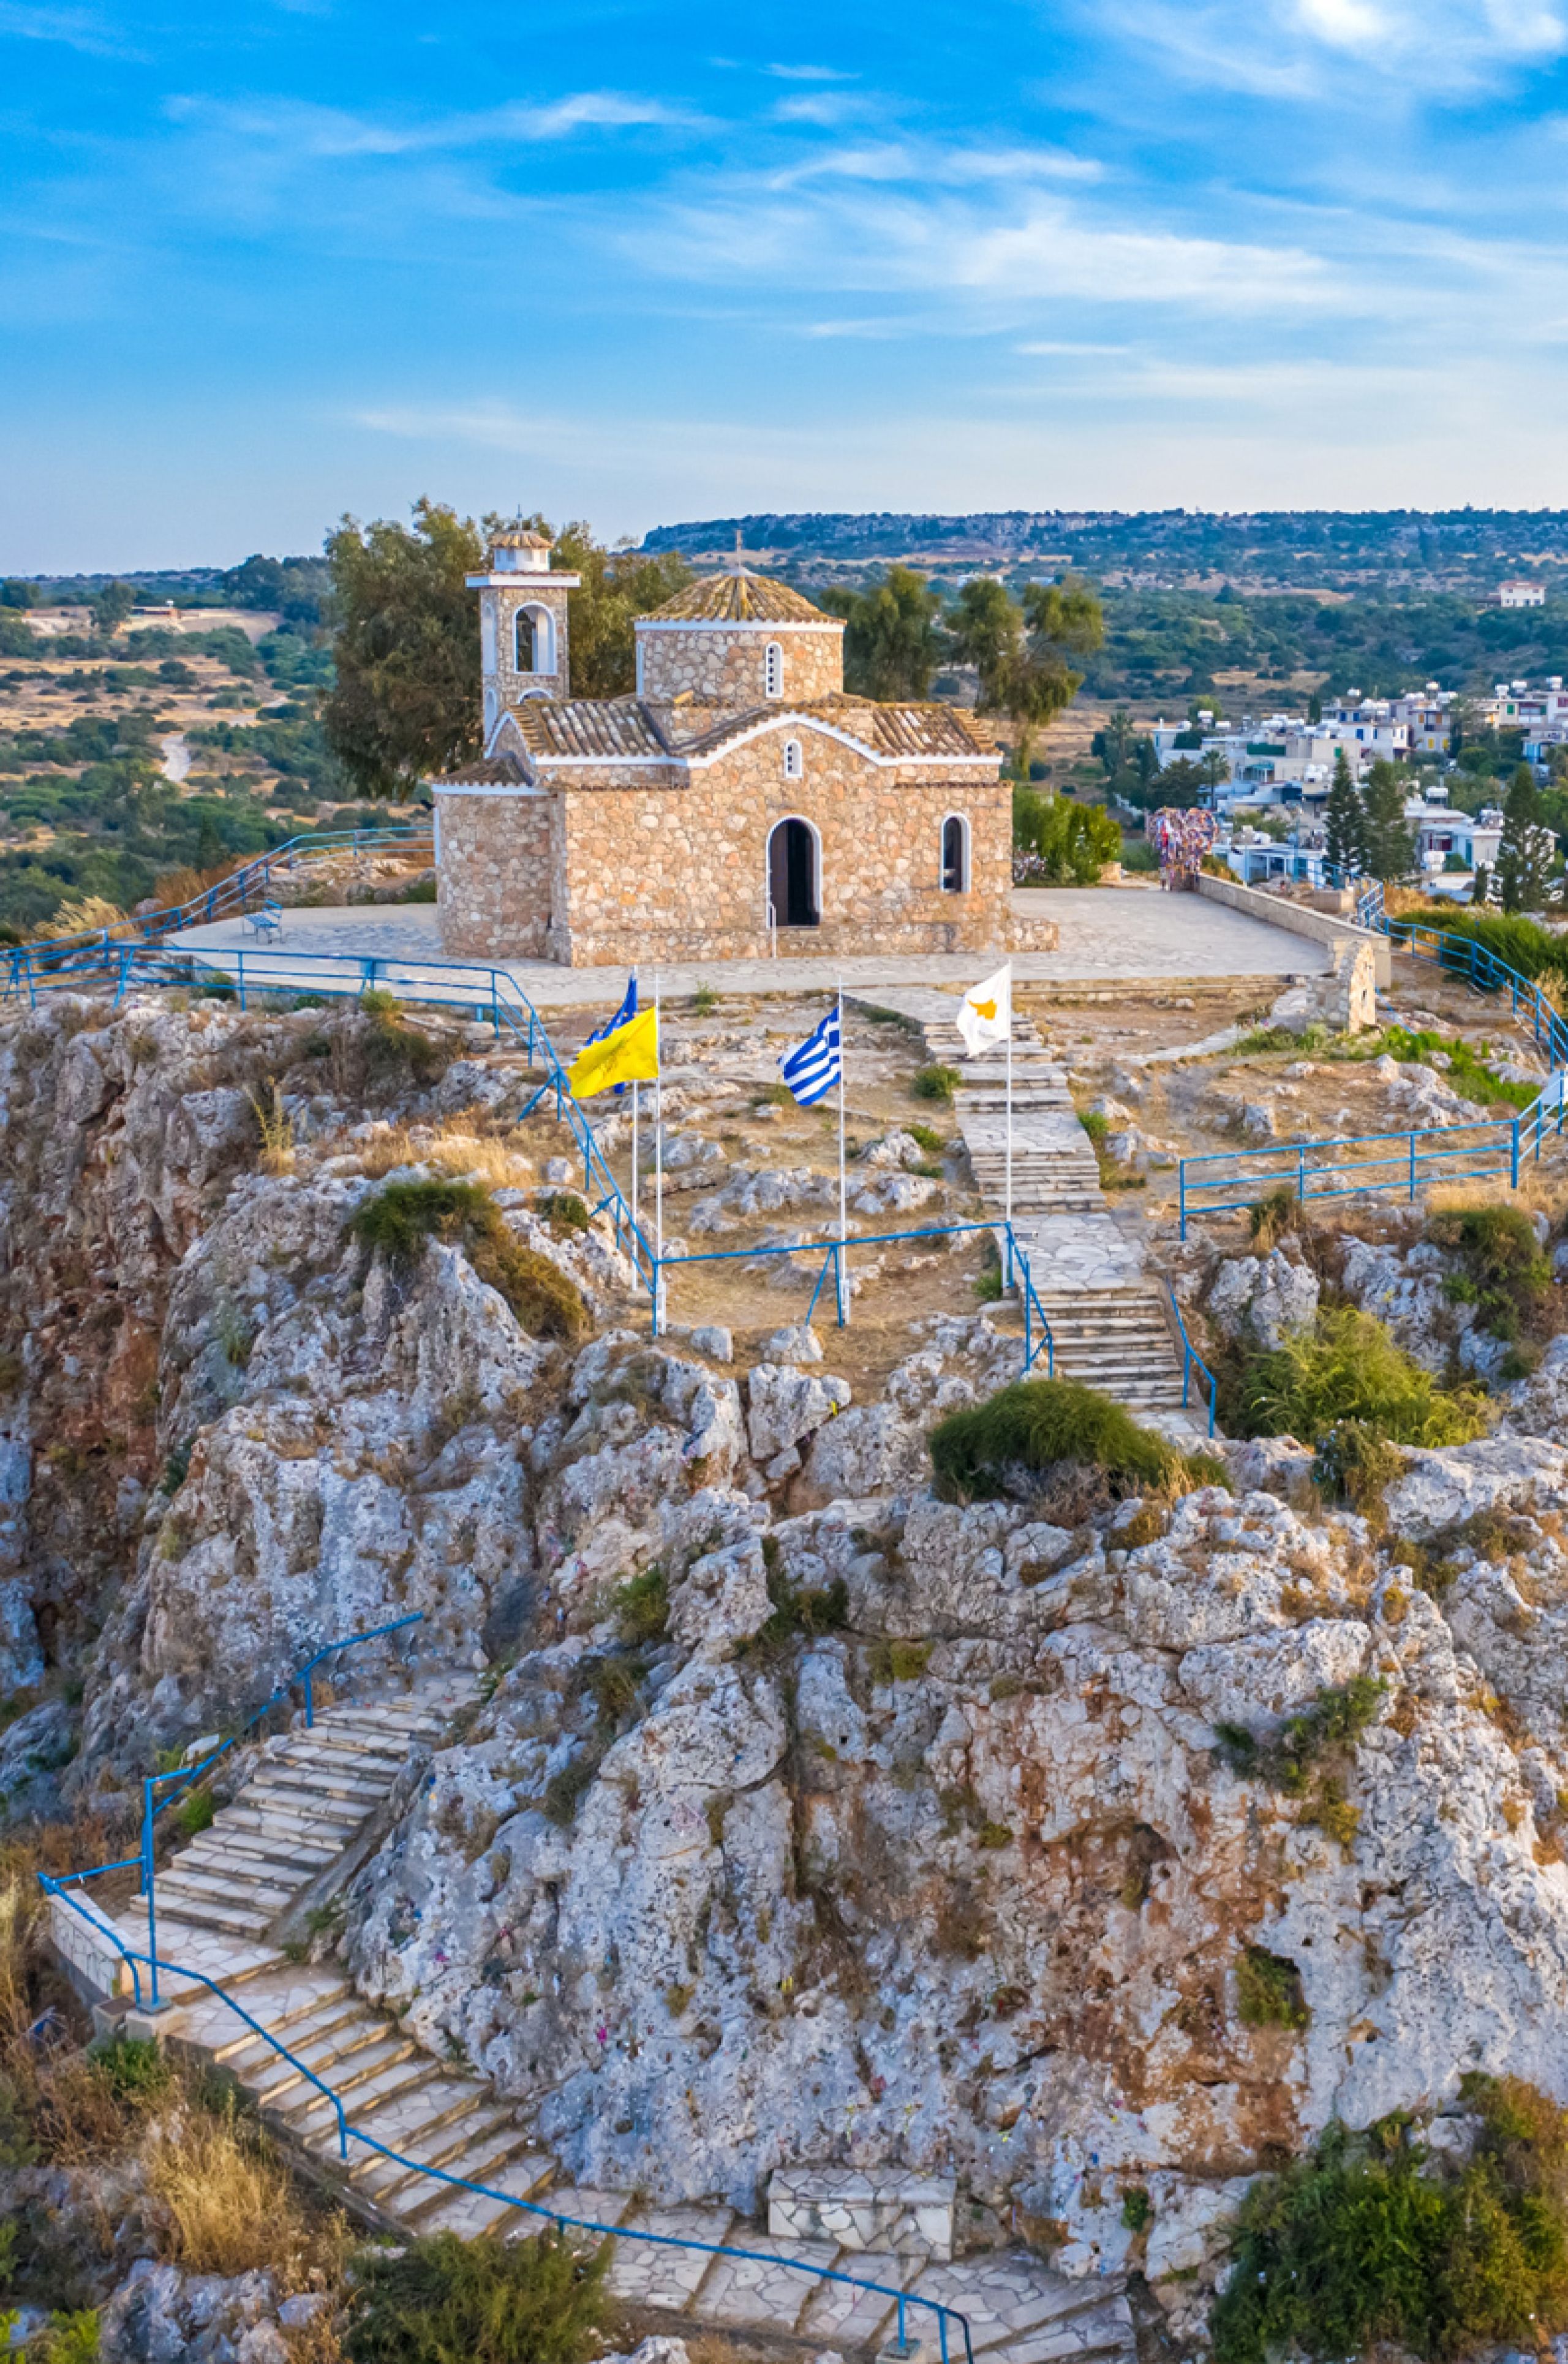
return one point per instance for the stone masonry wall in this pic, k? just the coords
(495, 876)
(532, 591)
(656, 875)
(723, 664)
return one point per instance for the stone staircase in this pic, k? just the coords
(219, 1904)
(1109, 1327)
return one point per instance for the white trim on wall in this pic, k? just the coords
(735, 624)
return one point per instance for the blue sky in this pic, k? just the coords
(266, 262)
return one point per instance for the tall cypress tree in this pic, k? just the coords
(1390, 842)
(1526, 849)
(1346, 830)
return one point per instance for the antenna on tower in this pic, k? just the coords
(739, 562)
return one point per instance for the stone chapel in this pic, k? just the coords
(739, 804)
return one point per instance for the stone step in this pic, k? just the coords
(501, 2159)
(196, 1912)
(316, 1781)
(453, 2127)
(230, 1842)
(226, 1884)
(310, 2117)
(252, 2059)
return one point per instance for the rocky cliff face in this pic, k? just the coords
(1082, 1849)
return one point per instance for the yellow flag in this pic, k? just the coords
(630, 1055)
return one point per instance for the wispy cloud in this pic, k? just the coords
(311, 130)
(1293, 50)
(75, 29)
(811, 74)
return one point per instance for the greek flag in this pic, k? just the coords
(814, 1066)
(627, 1010)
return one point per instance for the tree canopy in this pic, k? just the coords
(891, 641)
(1345, 822)
(405, 703)
(1020, 650)
(1388, 842)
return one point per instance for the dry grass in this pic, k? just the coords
(1541, 1190)
(492, 1158)
(232, 2208)
(276, 1128)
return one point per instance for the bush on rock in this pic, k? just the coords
(1348, 1369)
(402, 1217)
(1036, 1426)
(1369, 2239)
(487, 2302)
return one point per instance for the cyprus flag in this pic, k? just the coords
(986, 1016)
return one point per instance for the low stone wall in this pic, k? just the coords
(1322, 927)
(89, 1957)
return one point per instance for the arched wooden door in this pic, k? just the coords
(792, 874)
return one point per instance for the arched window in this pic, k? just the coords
(534, 628)
(955, 854)
(772, 670)
(795, 762)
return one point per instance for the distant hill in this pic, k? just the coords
(1182, 548)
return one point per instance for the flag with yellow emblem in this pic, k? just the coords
(985, 1014)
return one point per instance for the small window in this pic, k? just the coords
(772, 671)
(955, 854)
(794, 763)
(525, 630)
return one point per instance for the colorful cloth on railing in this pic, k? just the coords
(1182, 835)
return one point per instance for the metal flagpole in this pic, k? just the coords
(636, 1095)
(658, 1169)
(1010, 1201)
(843, 1292)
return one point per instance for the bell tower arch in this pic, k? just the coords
(524, 638)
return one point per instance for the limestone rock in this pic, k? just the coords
(786, 1405)
(1263, 1299)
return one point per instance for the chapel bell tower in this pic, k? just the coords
(522, 624)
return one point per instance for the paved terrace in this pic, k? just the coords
(1108, 934)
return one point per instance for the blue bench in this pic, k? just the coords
(267, 921)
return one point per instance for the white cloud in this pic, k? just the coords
(1291, 48)
(74, 28)
(310, 131)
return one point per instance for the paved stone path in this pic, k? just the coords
(1108, 934)
(221, 1901)
(1106, 1314)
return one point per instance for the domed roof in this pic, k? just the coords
(737, 597)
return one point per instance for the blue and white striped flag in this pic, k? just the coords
(814, 1066)
(627, 1010)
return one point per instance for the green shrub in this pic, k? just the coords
(1470, 1076)
(642, 1609)
(400, 1219)
(1522, 944)
(67, 2339)
(134, 2067)
(1502, 1270)
(396, 1049)
(1069, 842)
(705, 1000)
(936, 1082)
(194, 1812)
(564, 1210)
(1137, 2209)
(1036, 1424)
(926, 1137)
(1271, 1217)
(1268, 1990)
(1305, 1758)
(899, 1662)
(1368, 2241)
(1096, 1125)
(442, 2299)
(798, 1611)
(1347, 1368)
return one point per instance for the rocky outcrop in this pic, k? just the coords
(944, 1862)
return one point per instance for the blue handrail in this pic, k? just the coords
(347, 2131)
(228, 894)
(1191, 1358)
(1223, 1181)
(152, 1806)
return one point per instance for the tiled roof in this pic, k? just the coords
(485, 771)
(605, 727)
(738, 598)
(519, 537)
(887, 730)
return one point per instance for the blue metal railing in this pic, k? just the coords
(182, 1776)
(1491, 1149)
(1466, 956)
(348, 2131)
(81, 953)
(1192, 1360)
